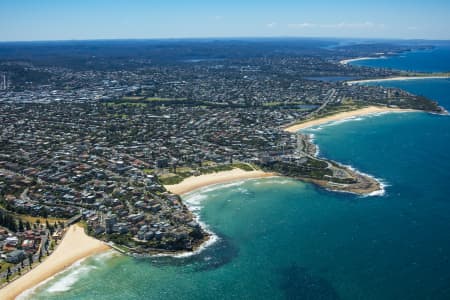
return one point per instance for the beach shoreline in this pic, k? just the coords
(193, 183)
(74, 246)
(350, 60)
(345, 115)
(397, 78)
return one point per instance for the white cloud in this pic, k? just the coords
(344, 25)
(271, 24)
(341, 25)
(302, 25)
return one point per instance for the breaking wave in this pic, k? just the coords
(64, 280)
(383, 184)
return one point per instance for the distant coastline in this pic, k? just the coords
(398, 78)
(413, 76)
(347, 61)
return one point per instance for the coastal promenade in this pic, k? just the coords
(74, 246)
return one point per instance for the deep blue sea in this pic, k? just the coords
(284, 239)
(434, 60)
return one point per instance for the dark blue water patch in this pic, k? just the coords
(297, 283)
(222, 252)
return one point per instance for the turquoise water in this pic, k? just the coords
(284, 239)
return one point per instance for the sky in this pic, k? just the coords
(31, 20)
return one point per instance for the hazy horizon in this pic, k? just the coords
(50, 20)
(231, 38)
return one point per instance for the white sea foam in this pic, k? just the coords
(352, 119)
(68, 277)
(211, 188)
(275, 180)
(213, 238)
(74, 272)
(314, 128)
(336, 122)
(383, 184)
(66, 282)
(317, 151)
(193, 201)
(105, 256)
(345, 120)
(243, 190)
(312, 138)
(380, 192)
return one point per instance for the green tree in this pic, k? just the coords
(21, 227)
(51, 229)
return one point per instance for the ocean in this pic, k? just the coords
(433, 60)
(283, 239)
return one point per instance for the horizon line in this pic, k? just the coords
(222, 38)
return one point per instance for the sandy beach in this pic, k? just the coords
(195, 182)
(345, 115)
(398, 78)
(74, 246)
(347, 61)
